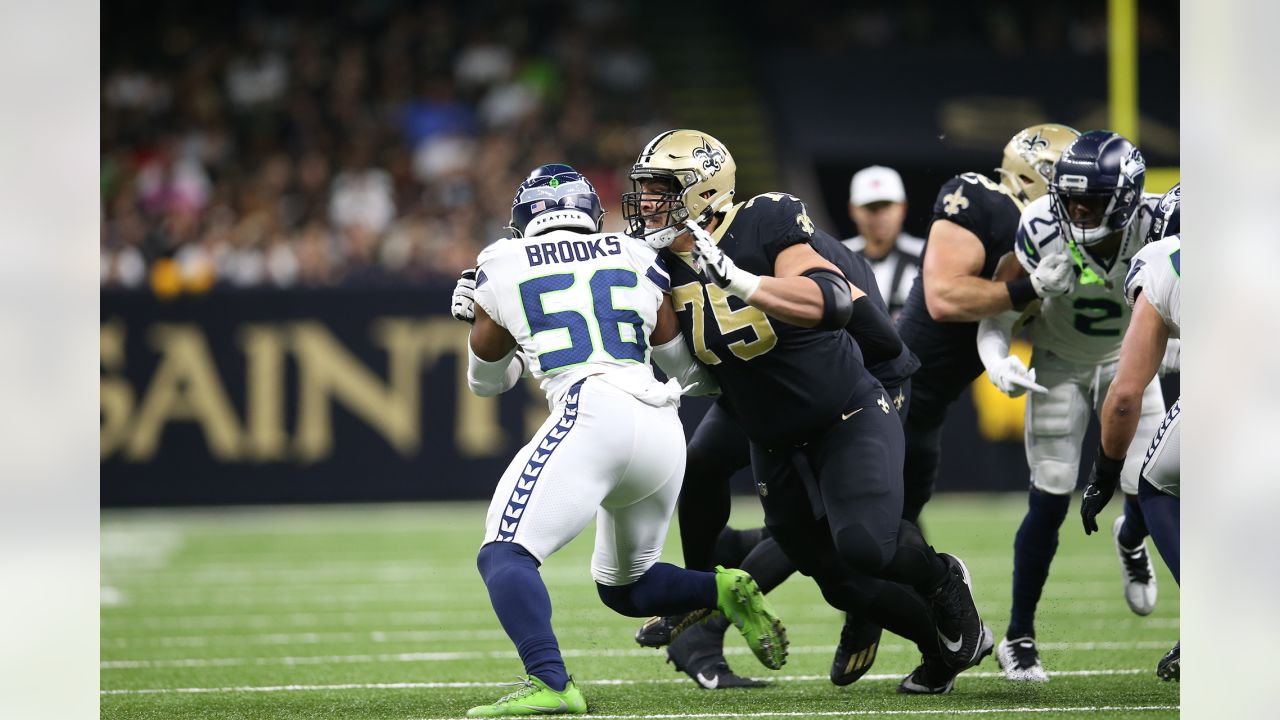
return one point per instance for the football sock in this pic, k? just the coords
(1033, 550)
(1163, 512)
(768, 565)
(915, 562)
(1134, 529)
(663, 590)
(521, 602)
(703, 510)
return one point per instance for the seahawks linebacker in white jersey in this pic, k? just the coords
(583, 311)
(1153, 289)
(1097, 215)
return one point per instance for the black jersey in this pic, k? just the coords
(783, 382)
(948, 350)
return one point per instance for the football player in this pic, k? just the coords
(1153, 289)
(974, 222)
(719, 448)
(1096, 217)
(764, 307)
(584, 312)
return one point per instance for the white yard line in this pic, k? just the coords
(655, 681)
(510, 654)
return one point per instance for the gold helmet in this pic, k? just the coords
(1027, 167)
(700, 172)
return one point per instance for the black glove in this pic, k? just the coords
(1102, 485)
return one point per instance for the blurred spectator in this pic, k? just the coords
(878, 205)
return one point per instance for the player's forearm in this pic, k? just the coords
(794, 300)
(995, 335)
(1120, 414)
(965, 298)
(488, 378)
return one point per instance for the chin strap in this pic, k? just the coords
(1087, 274)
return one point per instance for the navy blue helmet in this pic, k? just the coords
(1167, 220)
(555, 197)
(1097, 186)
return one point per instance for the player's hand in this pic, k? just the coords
(1102, 485)
(1013, 378)
(1053, 276)
(464, 297)
(718, 267)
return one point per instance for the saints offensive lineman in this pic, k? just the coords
(764, 307)
(1097, 217)
(583, 311)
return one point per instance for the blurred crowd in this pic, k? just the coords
(379, 142)
(369, 145)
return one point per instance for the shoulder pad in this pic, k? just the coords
(1038, 234)
(1162, 256)
(494, 250)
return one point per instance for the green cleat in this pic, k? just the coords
(746, 607)
(533, 697)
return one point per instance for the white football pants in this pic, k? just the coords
(1056, 422)
(604, 454)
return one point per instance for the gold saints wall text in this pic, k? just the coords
(186, 386)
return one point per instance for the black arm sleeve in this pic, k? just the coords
(872, 329)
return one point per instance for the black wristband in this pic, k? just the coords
(1107, 467)
(1021, 292)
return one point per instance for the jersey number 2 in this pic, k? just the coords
(609, 319)
(1099, 310)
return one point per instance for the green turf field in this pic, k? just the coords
(378, 612)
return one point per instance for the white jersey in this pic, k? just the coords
(576, 304)
(1086, 325)
(1157, 273)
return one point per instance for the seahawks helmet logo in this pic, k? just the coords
(711, 158)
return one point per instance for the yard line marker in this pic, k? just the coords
(654, 681)
(511, 654)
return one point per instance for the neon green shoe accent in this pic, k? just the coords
(533, 697)
(747, 608)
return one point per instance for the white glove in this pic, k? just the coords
(464, 297)
(1053, 276)
(718, 267)
(1013, 378)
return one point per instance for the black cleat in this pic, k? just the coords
(935, 677)
(960, 629)
(699, 653)
(859, 640)
(658, 632)
(1170, 666)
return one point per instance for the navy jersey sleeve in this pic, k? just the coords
(783, 222)
(978, 204)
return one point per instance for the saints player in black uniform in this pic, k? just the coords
(762, 304)
(719, 448)
(974, 222)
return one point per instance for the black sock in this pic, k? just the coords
(1134, 529)
(1033, 551)
(768, 565)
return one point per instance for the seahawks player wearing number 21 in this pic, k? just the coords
(1097, 217)
(763, 305)
(586, 311)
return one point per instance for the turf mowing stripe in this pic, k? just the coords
(510, 654)
(654, 681)
(878, 713)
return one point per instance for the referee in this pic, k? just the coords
(878, 205)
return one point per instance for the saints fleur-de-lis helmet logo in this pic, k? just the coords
(1032, 143)
(712, 158)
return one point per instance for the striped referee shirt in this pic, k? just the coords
(896, 271)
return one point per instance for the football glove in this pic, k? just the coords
(718, 267)
(1103, 479)
(1053, 276)
(464, 297)
(1013, 378)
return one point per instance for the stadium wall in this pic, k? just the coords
(272, 396)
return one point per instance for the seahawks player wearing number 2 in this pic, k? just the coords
(1097, 217)
(765, 307)
(585, 311)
